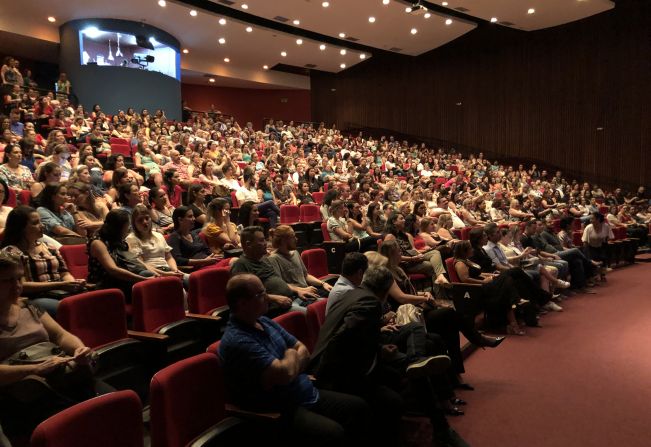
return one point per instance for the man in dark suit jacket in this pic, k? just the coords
(347, 358)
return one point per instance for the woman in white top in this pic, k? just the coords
(595, 237)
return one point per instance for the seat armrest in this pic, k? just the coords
(147, 336)
(234, 410)
(330, 279)
(464, 284)
(209, 435)
(219, 311)
(113, 346)
(203, 317)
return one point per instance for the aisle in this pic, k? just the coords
(583, 379)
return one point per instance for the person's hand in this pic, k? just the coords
(555, 256)
(82, 355)
(389, 328)
(389, 317)
(50, 365)
(74, 285)
(282, 301)
(487, 279)
(70, 207)
(307, 293)
(327, 287)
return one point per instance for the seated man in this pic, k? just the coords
(253, 260)
(287, 263)
(264, 371)
(553, 243)
(348, 355)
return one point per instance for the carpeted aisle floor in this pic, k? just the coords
(582, 380)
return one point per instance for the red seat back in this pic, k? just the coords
(156, 302)
(187, 398)
(452, 272)
(24, 197)
(603, 209)
(97, 317)
(114, 419)
(123, 141)
(121, 149)
(326, 233)
(11, 201)
(234, 201)
(465, 233)
(315, 316)
(310, 213)
(316, 262)
(289, 214)
(76, 260)
(419, 243)
(318, 197)
(296, 324)
(207, 289)
(214, 349)
(576, 238)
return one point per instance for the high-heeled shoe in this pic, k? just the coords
(514, 330)
(491, 342)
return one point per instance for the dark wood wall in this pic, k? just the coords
(539, 96)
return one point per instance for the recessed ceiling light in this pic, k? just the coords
(408, 9)
(249, 29)
(448, 22)
(211, 80)
(493, 19)
(371, 19)
(283, 53)
(445, 3)
(386, 2)
(322, 47)
(342, 66)
(427, 15)
(531, 11)
(245, 6)
(413, 31)
(325, 4)
(265, 67)
(162, 3)
(342, 35)
(299, 41)
(193, 12)
(296, 22)
(185, 51)
(342, 52)
(51, 19)
(362, 56)
(227, 60)
(221, 41)
(222, 21)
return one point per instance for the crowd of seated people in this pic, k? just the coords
(192, 195)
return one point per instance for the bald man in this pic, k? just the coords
(264, 370)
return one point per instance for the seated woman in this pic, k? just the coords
(338, 230)
(23, 325)
(57, 215)
(47, 174)
(150, 246)
(443, 228)
(516, 214)
(120, 177)
(90, 211)
(412, 260)
(248, 216)
(197, 202)
(412, 220)
(283, 192)
(357, 222)
(428, 233)
(595, 240)
(114, 162)
(46, 276)
(497, 292)
(188, 249)
(129, 196)
(497, 214)
(4, 209)
(161, 210)
(110, 264)
(172, 186)
(375, 220)
(221, 234)
(304, 195)
(17, 176)
(145, 159)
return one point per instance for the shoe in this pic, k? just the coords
(515, 330)
(491, 342)
(552, 306)
(557, 297)
(562, 284)
(428, 366)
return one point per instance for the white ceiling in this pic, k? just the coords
(248, 52)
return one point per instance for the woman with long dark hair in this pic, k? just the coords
(57, 214)
(188, 248)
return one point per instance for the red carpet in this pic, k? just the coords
(583, 379)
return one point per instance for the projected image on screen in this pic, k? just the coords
(109, 48)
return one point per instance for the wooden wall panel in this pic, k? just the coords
(539, 96)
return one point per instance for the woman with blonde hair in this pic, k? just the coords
(220, 233)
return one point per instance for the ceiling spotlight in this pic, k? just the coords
(283, 53)
(448, 22)
(265, 67)
(227, 60)
(193, 12)
(211, 80)
(427, 15)
(362, 56)
(342, 66)
(325, 4)
(531, 11)
(322, 47)
(245, 6)
(371, 19)
(221, 41)
(413, 31)
(222, 21)
(445, 3)
(185, 51)
(162, 3)
(493, 19)
(342, 52)
(386, 2)
(299, 41)
(296, 22)
(342, 35)
(249, 29)
(408, 9)
(51, 19)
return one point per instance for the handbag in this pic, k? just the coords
(408, 313)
